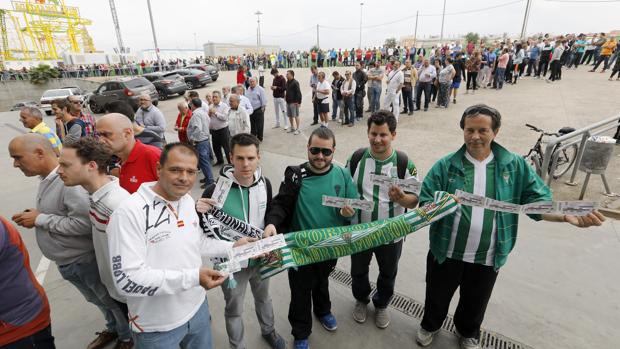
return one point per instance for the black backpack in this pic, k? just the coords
(401, 162)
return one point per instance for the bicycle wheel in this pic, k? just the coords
(565, 161)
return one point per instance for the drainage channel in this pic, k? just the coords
(415, 309)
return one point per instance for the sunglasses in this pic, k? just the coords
(324, 151)
(479, 109)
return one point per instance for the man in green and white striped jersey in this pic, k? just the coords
(468, 248)
(380, 159)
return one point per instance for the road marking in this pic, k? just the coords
(44, 265)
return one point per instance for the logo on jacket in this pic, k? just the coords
(133, 179)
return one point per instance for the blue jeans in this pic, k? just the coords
(204, 160)
(85, 277)
(375, 96)
(194, 334)
(500, 76)
(335, 105)
(347, 105)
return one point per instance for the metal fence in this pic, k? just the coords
(578, 137)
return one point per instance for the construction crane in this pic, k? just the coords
(43, 30)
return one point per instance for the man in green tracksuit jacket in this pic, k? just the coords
(468, 248)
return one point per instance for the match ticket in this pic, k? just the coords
(469, 199)
(242, 253)
(335, 201)
(410, 185)
(220, 193)
(502, 206)
(542, 207)
(576, 208)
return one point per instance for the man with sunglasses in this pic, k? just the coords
(75, 108)
(298, 206)
(468, 248)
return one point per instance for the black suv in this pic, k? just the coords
(126, 90)
(194, 78)
(167, 85)
(211, 69)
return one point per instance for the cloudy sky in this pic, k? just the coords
(292, 24)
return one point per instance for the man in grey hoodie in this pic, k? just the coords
(63, 228)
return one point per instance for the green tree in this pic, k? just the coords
(390, 42)
(473, 37)
(42, 73)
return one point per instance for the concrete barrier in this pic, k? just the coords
(12, 92)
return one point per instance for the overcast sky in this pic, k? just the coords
(292, 24)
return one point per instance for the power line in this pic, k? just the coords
(427, 15)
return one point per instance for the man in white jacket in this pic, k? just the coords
(156, 245)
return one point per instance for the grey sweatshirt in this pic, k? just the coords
(63, 227)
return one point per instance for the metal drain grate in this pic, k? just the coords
(415, 309)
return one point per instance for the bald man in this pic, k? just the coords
(138, 161)
(63, 229)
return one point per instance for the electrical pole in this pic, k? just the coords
(526, 18)
(415, 32)
(148, 3)
(317, 36)
(443, 17)
(258, 43)
(361, 7)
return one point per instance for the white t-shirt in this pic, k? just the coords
(394, 79)
(155, 252)
(321, 96)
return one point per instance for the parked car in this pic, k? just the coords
(45, 103)
(20, 105)
(193, 77)
(167, 85)
(76, 90)
(128, 89)
(211, 69)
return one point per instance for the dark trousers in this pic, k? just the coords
(408, 99)
(543, 65)
(576, 60)
(40, 340)
(475, 283)
(261, 81)
(257, 122)
(309, 286)
(600, 60)
(221, 141)
(387, 258)
(471, 78)
(531, 64)
(426, 88)
(555, 70)
(315, 109)
(587, 57)
(359, 103)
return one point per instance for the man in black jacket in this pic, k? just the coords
(360, 78)
(293, 100)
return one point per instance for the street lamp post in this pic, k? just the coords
(258, 43)
(361, 7)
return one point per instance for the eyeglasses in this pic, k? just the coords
(324, 151)
(481, 109)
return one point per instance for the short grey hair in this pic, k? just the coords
(234, 97)
(216, 92)
(33, 111)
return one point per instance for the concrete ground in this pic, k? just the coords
(556, 291)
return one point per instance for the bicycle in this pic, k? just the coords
(565, 159)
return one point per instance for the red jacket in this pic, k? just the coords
(240, 76)
(182, 128)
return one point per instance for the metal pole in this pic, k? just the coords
(148, 3)
(525, 18)
(317, 36)
(258, 41)
(117, 28)
(415, 32)
(361, 7)
(443, 17)
(195, 42)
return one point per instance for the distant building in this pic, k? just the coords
(166, 54)
(226, 49)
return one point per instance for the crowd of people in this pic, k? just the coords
(115, 213)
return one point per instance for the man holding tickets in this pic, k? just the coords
(300, 197)
(388, 201)
(248, 200)
(468, 248)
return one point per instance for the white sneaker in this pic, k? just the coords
(360, 311)
(424, 337)
(286, 128)
(469, 343)
(276, 126)
(382, 318)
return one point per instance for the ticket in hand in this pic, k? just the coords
(576, 208)
(220, 193)
(410, 185)
(469, 199)
(335, 201)
(502, 206)
(541, 207)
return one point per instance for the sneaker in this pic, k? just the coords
(123, 344)
(301, 344)
(424, 338)
(382, 318)
(469, 343)
(410, 113)
(454, 100)
(329, 322)
(314, 123)
(291, 130)
(360, 311)
(286, 128)
(103, 339)
(276, 126)
(275, 340)
(296, 132)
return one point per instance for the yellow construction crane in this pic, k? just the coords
(43, 30)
